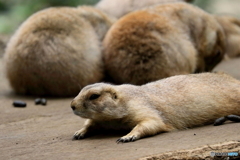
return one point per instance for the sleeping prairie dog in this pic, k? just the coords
(162, 41)
(174, 103)
(231, 27)
(119, 8)
(56, 51)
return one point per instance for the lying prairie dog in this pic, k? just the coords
(119, 8)
(56, 51)
(174, 103)
(231, 26)
(162, 41)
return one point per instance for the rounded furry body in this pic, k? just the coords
(119, 8)
(56, 51)
(162, 41)
(174, 103)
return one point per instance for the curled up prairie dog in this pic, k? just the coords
(175, 103)
(162, 41)
(56, 51)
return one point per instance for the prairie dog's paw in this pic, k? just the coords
(128, 138)
(80, 134)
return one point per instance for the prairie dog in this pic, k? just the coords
(119, 8)
(231, 26)
(174, 103)
(162, 41)
(56, 51)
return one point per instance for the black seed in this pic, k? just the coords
(38, 101)
(19, 104)
(219, 121)
(43, 101)
(234, 118)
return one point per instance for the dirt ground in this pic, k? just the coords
(45, 132)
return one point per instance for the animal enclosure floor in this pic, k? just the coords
(45, 132)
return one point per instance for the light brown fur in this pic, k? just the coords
(57, 51)
(231, 26)
(119, 8)
(174, 103)
(162, 41)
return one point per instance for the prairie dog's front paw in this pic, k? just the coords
(128, 138)
(80, 134)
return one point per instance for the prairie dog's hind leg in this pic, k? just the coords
(80, 134)
(146, 127)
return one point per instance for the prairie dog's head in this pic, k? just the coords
(212, 49)
(231, 27)
(208, 37)
(99, 101)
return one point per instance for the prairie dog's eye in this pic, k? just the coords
(94, 96)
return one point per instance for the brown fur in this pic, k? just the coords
(231, 28)
(174, 103)
(56, 51)
(119, 8)
(162, 41)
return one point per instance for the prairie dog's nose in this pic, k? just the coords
(73, 106)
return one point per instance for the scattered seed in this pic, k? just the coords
(19, 103)
(43, 101)
(219, 121)
(38, 101)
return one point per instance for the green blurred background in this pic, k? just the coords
(14, 12)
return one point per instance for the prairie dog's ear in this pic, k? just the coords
(100, 21)
(112, 92)
(114, 95)
(231, 27)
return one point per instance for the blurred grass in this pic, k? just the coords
(14, 12)
(204, 4)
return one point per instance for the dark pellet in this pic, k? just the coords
(38, 101)
(219, 121)
(19, 104)
(234, 118)
(43, 101)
